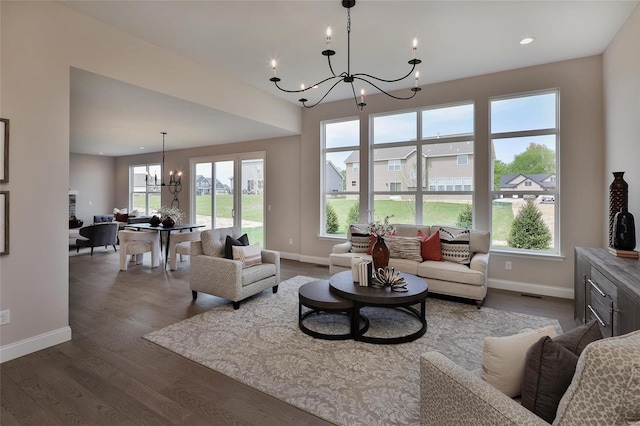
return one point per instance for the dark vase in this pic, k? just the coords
(154, 221)
(624, 231)
(168, 222)
(618, 199)
(380, 254)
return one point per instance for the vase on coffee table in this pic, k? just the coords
(380, 253)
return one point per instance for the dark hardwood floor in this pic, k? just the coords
(108, 375)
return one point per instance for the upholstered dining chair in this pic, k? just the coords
(101, 234)
(181, 245)
(231, 279)
(135, 244)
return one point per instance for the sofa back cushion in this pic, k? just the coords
(213, 240)
(402, 230)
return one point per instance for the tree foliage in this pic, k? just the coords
(465, 217)
(499, 168)
(528, 230)
(536, 159)
(332, 224)
(354, 214)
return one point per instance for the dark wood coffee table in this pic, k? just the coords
(342, 285)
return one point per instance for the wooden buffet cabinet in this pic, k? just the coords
(607, 289)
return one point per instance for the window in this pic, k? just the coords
(340, 164)
(422, 180)
(393, 165)
(525, 170)
(144, 198)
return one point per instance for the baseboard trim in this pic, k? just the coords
(306, 259)
(530, 288)
(34, 344)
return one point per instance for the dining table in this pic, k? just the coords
(167, 230)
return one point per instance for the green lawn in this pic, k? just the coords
(252, 206)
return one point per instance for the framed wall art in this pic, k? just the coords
(4, 222)
(4, 150)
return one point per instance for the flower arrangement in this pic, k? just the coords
(172, 212)
(380, 228)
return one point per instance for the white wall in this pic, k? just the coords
(622, 112)
(93, 176)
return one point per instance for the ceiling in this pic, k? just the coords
(456, 39)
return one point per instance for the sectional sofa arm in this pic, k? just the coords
(480, 262)
(451, 395)
(341, 248)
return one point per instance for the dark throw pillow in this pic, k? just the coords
(548, 371)
(549, 368)
(230, 242)
(121, 217)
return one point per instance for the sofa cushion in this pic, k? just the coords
(549, 368)
(450, 271)
(548, 371)
(404, 247)
(503, 359)
(230, 242)
(404, 265)
(212, 243)
(430, 248)
(479, 241)
(344, 259)
(402, 230)
(455, 245)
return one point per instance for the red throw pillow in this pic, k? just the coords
(430, 248)
(122, 217)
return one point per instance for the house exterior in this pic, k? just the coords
(252, 176)
(528, 182)
(334, 182)
(446, 167)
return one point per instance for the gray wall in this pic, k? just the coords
(93, 176)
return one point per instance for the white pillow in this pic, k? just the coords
(121, 211)
(503, 359)
(249, 255)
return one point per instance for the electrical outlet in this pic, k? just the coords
(5, 317)
(507, 266)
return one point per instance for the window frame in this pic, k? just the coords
(146, 192)
(497, 194)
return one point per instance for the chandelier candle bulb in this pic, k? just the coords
(328, 37)
(362, 95)
(417, 77)
(415, 47)
(274, 67)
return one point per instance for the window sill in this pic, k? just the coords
(542, 256)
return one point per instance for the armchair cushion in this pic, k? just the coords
(249, 255)
(257, 273)
(230, 242)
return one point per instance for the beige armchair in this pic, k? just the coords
(181, 245)
(213, 274)
(135, 244)
(605, 390)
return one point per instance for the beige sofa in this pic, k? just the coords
(444, 277)
(605, 390)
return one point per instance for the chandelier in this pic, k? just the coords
(174, 184)
(347, 76)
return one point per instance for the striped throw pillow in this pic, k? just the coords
(455, 245)
(404, 247)
(249, 255)
(360, 239)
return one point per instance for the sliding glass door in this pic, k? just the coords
(229, 191)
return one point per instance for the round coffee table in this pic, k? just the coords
(342, 285)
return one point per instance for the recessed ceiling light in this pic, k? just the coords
(141, 147)
(101, 153)
(527, 40)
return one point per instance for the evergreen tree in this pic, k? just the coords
(529, 230)
(332, 224)
(354, 214)
(465, 218)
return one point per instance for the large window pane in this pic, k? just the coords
(342, 134)
(144, 194)
(452, 210)
(395, 127)
(342, 171)
(203, 192)
(449, 121)
(341, 210)
(534, 230)
(253, 200)
(525, 163)
(523, 113)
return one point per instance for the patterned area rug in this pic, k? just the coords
(344, 382)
